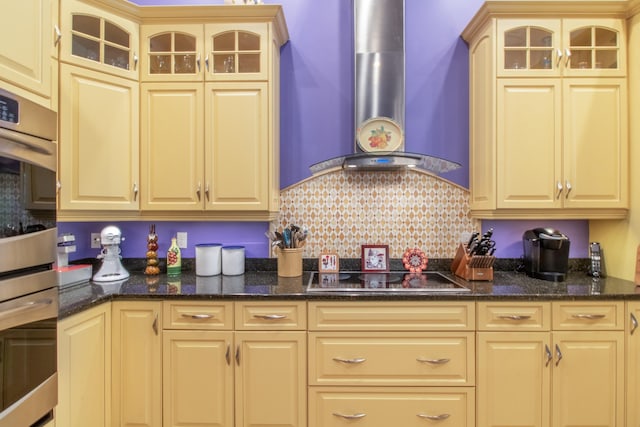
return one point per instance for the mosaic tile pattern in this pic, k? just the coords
(343, 210)
(11, 213)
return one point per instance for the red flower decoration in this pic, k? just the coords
(414, 260)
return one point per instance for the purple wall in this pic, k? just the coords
(317, 112)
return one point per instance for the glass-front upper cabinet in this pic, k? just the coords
(172, 53)
(560, 47)
(237, 52)
(97, 39)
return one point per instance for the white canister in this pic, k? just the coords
(208, 259)
(232, 260)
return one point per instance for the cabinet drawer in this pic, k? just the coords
(514, 316)
(274, 315)
(406, 407)
(588, 315)
(197, 315)
(398, 358)
(390, 316)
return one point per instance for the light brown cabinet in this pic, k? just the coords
(556, 361)
(28, 65)
(391, 363)
(548, 107)
(84, 369)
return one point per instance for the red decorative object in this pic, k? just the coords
(414, 260)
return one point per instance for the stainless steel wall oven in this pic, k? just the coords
(28, 283)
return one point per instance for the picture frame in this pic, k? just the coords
(375, 258)
(328, 262)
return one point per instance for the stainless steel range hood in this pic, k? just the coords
(380, 89)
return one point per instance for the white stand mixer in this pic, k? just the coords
(111, 268)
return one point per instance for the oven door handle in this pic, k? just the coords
(34, 143)
(31, 305)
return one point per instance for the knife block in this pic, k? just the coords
(475, 267)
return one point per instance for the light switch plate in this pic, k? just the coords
(95, 240)
(181, 239)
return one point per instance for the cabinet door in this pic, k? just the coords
(172, 146)
(99, 165)
(99, 38)
(237, 51)
(529, 47)
(595, 143)
(529, 146)
(172, 53)
(198, 378)
(513, 379)
(84, 369)
(25, 54)
(137, 375)
(594, 47)
(271, 385)
(238, 146)
(588, 379)
(633, 363)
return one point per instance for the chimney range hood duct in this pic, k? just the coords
(380, 93)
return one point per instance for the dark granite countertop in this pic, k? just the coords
(256, 285)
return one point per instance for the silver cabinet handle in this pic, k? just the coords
(206, 63)
(559, 188)
(135, 61)
(568, 187)
(588, 316)
(206, 191)
(433, 361)
(567, 53)
(558, 355)
(198, 316)
(547, 352)
(58, 33)
(349, 417)
(58, 187)
(515, 317)
(135, 192)
(634, 323)
(154, 326)
(350, 361)
(559, 55)
(434, 417)
(198, 189)
(227, 355)
(270, 316)
(198, 62)
(238, 355)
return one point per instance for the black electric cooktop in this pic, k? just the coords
(393, 281)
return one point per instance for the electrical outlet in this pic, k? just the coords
(181, 239)
(95, 241)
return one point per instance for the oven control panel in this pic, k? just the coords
(9, 109)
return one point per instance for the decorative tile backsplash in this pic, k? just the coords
(403, 209)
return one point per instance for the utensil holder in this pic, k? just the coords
(474, 267)
(289, 262)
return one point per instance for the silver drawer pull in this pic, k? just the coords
(515, 317)
(634, 323)
(198, 316)
(434, 417)
(588, 316)
(433, 361)
(350, 361)
(270, 316)
(350, 417)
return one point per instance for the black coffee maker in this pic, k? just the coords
(546, 254)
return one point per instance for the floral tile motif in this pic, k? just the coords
(343, 210)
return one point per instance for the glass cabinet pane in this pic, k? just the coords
(116, 35)
(184, 43)
(516, 37)
(606, 37)
(89, 25)
(581, 37)
(160, 43)
(225, 42)
(85, 48)
(116, 57)
(248, 41)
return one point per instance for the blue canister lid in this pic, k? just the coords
(208, 244)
